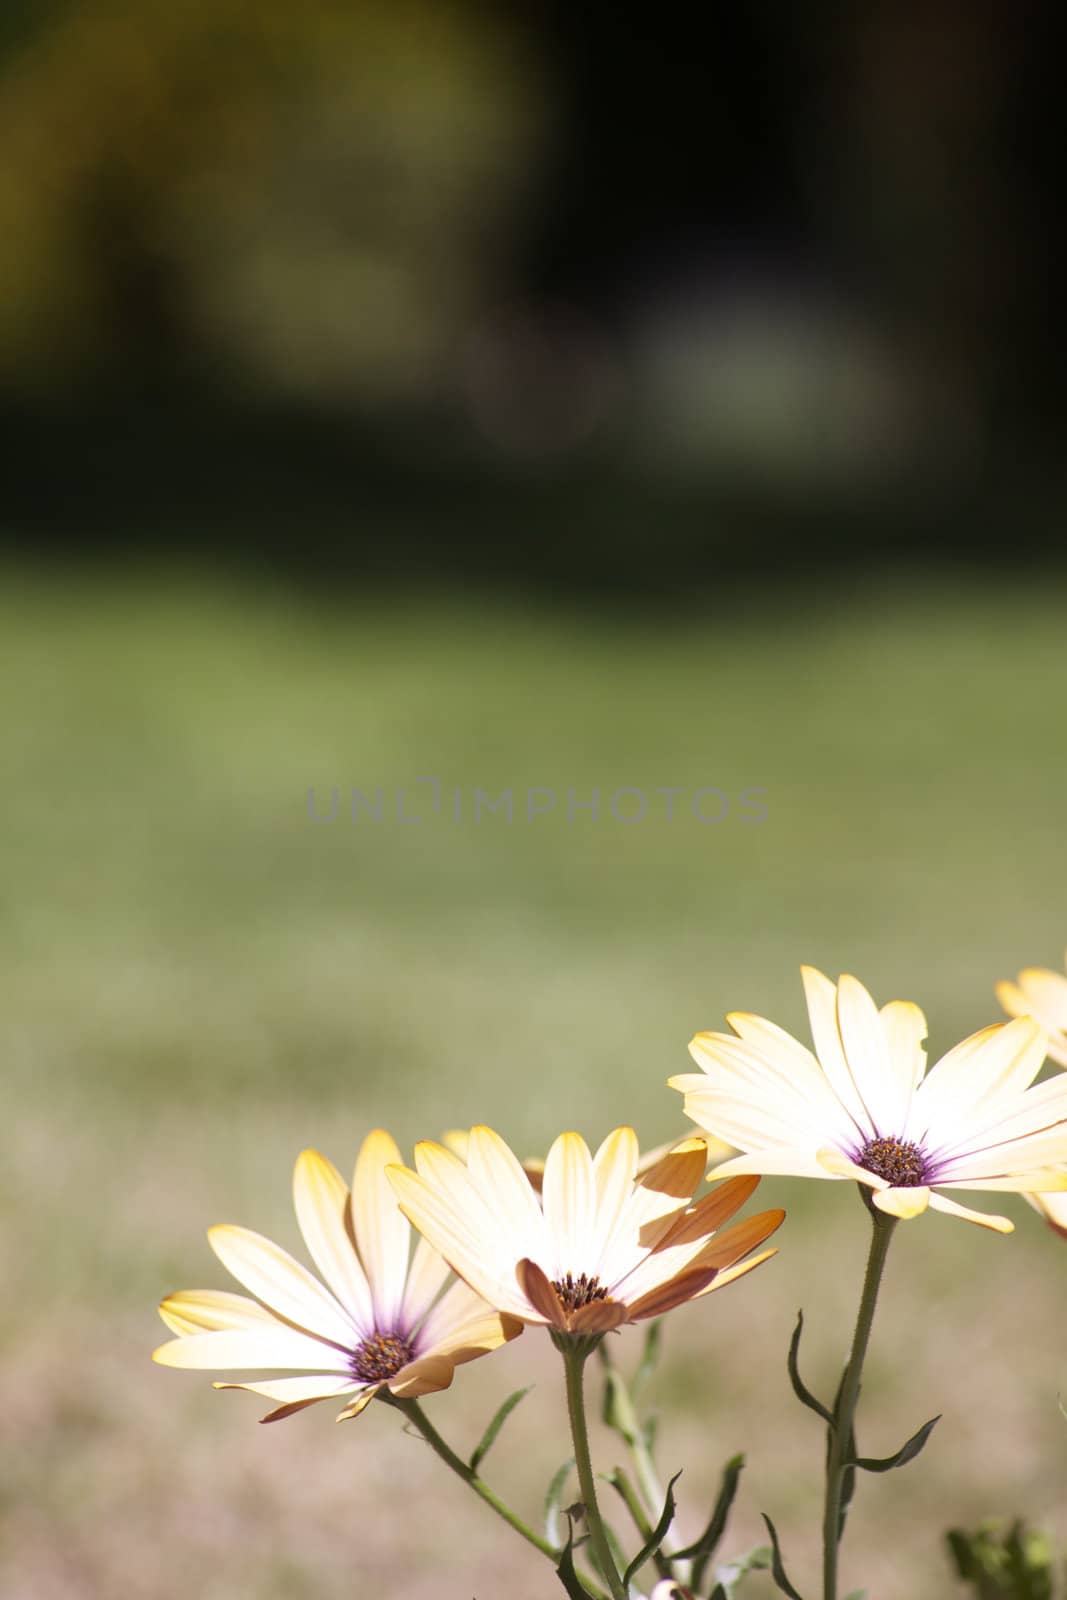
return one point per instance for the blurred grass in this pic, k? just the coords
(199, 981)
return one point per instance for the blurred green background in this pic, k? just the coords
(414, 392)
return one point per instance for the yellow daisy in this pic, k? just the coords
(378, 1321)
(602, 1247)
(864, 1106)
(1040, 993)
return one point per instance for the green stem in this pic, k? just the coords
(845, 1410)
(574, 1359)
(415, 1414)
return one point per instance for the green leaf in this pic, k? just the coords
(907, 1452)
(649, 1357)
(488, 1438)
(566, 1573)
(553, 1496)
(709, 1539)
(800, 1389)
(857, 1594)
(777, 1569)
(656, 1537)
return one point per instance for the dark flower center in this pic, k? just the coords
(380, 1357)
(896, 1160)
(574, 1292)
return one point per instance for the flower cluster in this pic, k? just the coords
(426, 1267)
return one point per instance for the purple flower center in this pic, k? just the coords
(581, 1291)
(380, 1357)
(898, 1161)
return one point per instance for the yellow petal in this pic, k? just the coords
(1012, 999)
(282, 1283)
(899, 1202)
(234, 1348)
(296, 1391)
(360, 1403)
(1053, 1207)
(380, 1228)
(951, 1208)
(731, 1274)
(1046, 994)
(841, 1166)
(675, 1292)
(212, 1311)
(320, 1196)
(710, 1212)
(427, 1375)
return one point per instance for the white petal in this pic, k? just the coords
(971, 1085)
(427, 1276)
(234, 1349)
(380, 1228)
(866, 1049)
(570, 1204)
(614, 1170)
(320, 1196)
(821, 997)
(282, 1283)
(905, 1030)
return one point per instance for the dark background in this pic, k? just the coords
(774, 292)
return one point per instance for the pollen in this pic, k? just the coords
(581, 1291)
(899, 1162)
(380, 1357)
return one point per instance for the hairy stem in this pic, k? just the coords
(844, 1415)
(574, 1360)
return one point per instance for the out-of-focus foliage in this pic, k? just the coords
(1004, 1564)
(309, 193)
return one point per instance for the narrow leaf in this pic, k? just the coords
(566, 1573)
(705, 1545)
(800, 1389)
(857, 1594)
(488, 1438)
(906, 1453)
(777, 1570)
(553, 1496)
(656, 1537)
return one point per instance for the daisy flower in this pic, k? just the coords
(864, 1106)
(602, 1247)
(377, 1321)
(1042, 994)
